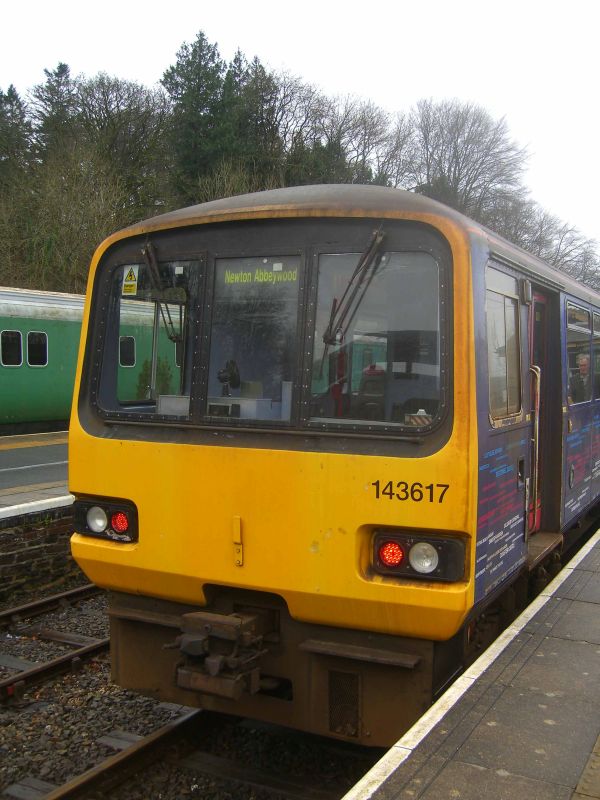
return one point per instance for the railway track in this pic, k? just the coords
(201, 748)
(175, 742)
(28, 674)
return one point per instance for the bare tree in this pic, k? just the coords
(462, 156)
(393, 156)
(125, 124)
(300, 109)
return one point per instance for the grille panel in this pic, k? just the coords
(344, 693)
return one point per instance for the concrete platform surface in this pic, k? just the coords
(16, 501)
(33, 473)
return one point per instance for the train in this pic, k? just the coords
(39, 339)
(382, 425)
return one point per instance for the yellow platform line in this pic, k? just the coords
(32, 487)
(32, 440)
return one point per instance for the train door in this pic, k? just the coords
(543, 504)
(538, 350)
(596, 404)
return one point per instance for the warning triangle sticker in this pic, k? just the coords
(130, 277)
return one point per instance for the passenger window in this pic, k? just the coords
(37, 349)
(596, 369)
(127, 351)
(504, 359)
(579, 362)
(11, 349)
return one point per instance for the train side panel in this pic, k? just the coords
(38, 393)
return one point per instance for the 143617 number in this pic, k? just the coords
(429, 493)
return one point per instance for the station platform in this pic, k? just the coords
(524, 720)
(33, 474)
(17, 501)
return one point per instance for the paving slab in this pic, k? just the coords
(469, 782)
(580, 622)
(538, 737)
(561, 668)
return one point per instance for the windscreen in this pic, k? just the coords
(253, 338)
(151, 341)
(314, 325)
(377, 348)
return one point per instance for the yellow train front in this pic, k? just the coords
(273, 450)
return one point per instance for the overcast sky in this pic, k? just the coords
(534, 62)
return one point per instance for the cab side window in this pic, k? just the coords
(504, 359)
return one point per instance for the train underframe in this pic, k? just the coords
(244, 655)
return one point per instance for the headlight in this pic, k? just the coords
(423, 557)
(96, 519)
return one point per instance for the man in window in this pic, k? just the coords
(580, 384)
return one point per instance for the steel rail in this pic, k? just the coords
(10, 616)
(117, 768)
(16, 684)
(228, 770)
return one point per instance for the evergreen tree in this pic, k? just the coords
(54, 105)
(194, 85)
(15, 136)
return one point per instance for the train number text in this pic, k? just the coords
(428, 493)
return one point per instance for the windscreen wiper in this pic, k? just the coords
(343, 312)
(155, 279)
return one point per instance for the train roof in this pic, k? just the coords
(357, 200)
(34, 304)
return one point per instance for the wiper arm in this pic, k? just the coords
(155, 279)
(340, 318)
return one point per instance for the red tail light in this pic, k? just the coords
(119, 522)
(391, 554)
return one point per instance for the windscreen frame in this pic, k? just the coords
(321, 235)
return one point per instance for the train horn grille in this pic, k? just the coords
(344, 712)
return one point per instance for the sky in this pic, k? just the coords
(534, 62)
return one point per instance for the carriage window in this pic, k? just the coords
(504, 364)
(37, 349)
(596, 354)
(596, 369)
(579, 361)
(376, 357)
(578, 317)
(11, 349)
(127, 351)
(253, 338)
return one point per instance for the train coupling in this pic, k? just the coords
(221, 653)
